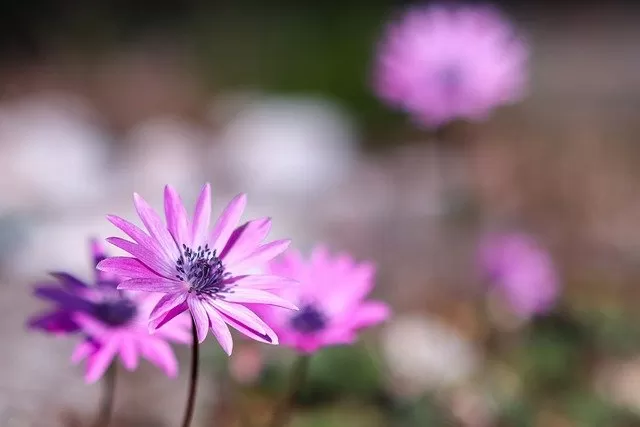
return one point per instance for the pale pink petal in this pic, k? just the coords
(128, 353)
(156, 227)
(220, 329)
(201, 217)
(261, 256)
(245, 239)
(152, 285)
(176, 214)
(256, 296)
(153, 261)
(160, 354)
(227, 222)
(98, 363)
(200, 317)
(126, 267)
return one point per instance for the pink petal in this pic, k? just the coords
(176, 214)
(137, 234)
(227, 222)
(354, 286)
(220, 329)
(100, 361)
(167, 303)
(261, 256)
(201, 217)
(264, 282)
(92, 327)
(69, 281)
(152, 260)
(200, 317)
(126, 267)
(82, 351)
(245, 239)
(160, 354)
(160, 321)
(156, 227)
(256, 296)
(268, 337)
(240, 314)
(152, 285)
(128, 353)
(369, 313)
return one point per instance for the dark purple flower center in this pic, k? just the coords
(308, 320)
(116, 311)
(201, 269)
(451, 79)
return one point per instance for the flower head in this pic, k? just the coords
(212, 274)
(441, 63)
(331, 299)
(112, 322)
(521, 270)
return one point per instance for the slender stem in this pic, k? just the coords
(108, 394)
(193, 379)
(283, 410)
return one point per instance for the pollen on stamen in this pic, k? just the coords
(201, 269)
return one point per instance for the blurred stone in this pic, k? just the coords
(52, 153)
(289, 146)
(161, 151)
(423, 353)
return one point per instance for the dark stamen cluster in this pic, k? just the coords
(201, 269)
(308, 320)
(115, 311)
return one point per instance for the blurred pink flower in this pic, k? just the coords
(445, 62)
(208, 273)
(121, 329)
(331, 297)
(521, 270)
(112, 322)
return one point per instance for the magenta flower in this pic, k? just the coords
(213, 274)
(445, 62)
(331, 300)
(112, 322)
(521, 270)
(119, 328)
(71, 295)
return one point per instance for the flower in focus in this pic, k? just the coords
(212, 274)
(331, 300)
(112, 322)
(441, 63)
(521, 270)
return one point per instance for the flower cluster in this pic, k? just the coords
(223, 275)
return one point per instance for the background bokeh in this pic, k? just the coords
(100, 99)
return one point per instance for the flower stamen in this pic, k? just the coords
(201, 269)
